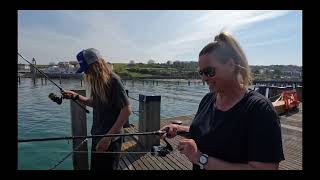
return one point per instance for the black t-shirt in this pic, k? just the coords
(106, 114)
(249, 131)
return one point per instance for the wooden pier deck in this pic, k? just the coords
(292, 143)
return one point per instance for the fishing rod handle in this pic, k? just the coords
(180, 133)
(92, 136)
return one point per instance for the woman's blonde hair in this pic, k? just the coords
(224, 48)
(98, 77)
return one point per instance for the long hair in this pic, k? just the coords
(98, 77)
(224, 48)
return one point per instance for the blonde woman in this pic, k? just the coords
(234, 128)
(111, 107)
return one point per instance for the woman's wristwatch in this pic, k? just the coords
(203, 160)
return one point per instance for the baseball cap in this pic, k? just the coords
(87, 57)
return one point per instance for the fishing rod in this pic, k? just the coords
(52, 96)
(155, 150)
(69, 154)
(94, 136)
(159, 133)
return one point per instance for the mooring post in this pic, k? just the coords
(79, 128)
(149, 119)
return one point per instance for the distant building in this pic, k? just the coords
(74, 63)
(23, 68)
(151, 61)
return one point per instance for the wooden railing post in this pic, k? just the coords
(149, 119)
(79, 128)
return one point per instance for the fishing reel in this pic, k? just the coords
(55, 98)
(161, 150)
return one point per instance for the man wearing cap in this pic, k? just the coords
(111, 107)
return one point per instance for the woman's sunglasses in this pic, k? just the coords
(208, 71)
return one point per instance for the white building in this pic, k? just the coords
(23, 68)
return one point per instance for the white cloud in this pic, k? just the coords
(97, 31)
(210, 24)
(269, 42)
(101, 30)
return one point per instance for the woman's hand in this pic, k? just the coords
(69, 94)
(171, 130)
(103, 144)
(189, 148)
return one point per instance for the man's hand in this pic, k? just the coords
(171, 130)
(189, 148)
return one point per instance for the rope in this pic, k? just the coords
(63, 159)
(135, 113)
(134, 99)
(166, 117)
(138, 111)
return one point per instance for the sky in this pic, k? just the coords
(267, 37)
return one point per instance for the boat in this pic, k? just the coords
(284, 99)
(62, 71)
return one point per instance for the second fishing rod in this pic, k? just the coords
(52, 96)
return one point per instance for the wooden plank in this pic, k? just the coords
(295, 152)
(146, 162)
(182, 160)
(153, 163)
(172, 163)
(174, 160)
(292, 157)
(128, 163)
(299, 115)
(132, 158)
(158, 163)
(295, 161)
(165, 163)
(291, 127)
(133, 162)
(291, 166)
(291, 118)
(174, 142)
(285, 166)
(138, 160)
(122, 166)
(137, 157)
(294, 167)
